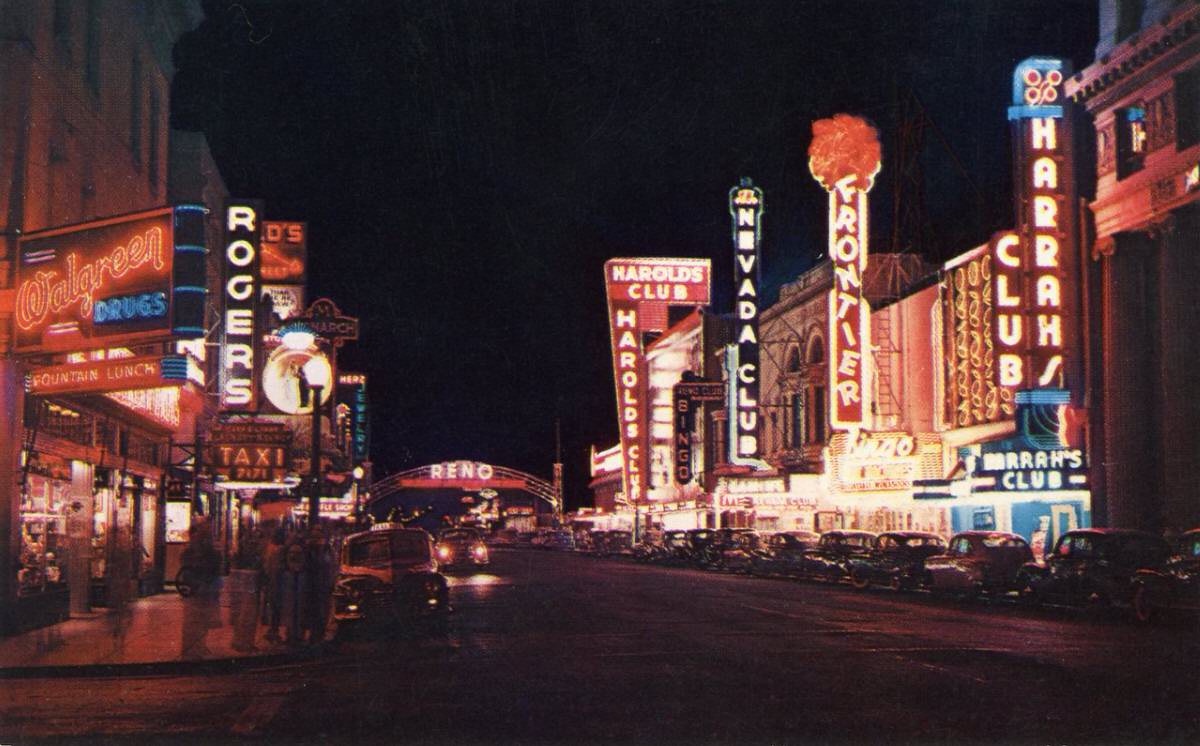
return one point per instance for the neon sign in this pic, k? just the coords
(462, 470)
(844, 157)
(1032, 266)
(973, 396)
(746, 206)
(82, 287)
(238, 355)
(639, 293)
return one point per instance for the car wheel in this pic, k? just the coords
(859, 580)
(1143, 607)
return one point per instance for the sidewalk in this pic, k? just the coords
(153, 634)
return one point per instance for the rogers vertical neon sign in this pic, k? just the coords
(844, 157)
(243, 231)
(746, 206)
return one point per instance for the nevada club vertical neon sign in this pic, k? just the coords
(746, 207)
(844, 158)
(1033, 265)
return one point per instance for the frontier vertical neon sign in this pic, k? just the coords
(844, 158)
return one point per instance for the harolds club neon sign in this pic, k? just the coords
(639, 293)
(844, 158)
(122, 279)
(1033, 265)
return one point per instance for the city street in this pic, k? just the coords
(562, 647)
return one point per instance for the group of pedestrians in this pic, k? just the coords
(282, 578)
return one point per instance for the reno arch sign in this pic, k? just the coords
(639, 293)
(1034, 265)
(844, 157)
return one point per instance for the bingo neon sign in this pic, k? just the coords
(844, 157)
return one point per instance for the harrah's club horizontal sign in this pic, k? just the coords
(108, 282)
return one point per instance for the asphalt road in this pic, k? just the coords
(562, 648)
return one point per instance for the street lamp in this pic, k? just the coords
(315, 373)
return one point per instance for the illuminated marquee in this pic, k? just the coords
(973, 394)
(844, 157)
(1033, 265)
(462, 470)
(639, 293)
(746, 206)
(109, 282)
(239, 364)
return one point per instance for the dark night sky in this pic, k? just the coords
(466, 168)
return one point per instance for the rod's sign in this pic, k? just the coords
(1033, 265)
(746, 206)
(844, 158)
(639, 293)
(239, 364)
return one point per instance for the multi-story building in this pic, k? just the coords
(1142, 94)
(83, 139)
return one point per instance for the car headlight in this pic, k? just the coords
(443, 552)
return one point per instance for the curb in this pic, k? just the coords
(206, 666)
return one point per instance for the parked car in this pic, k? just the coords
(829, 559)
(650, 547)
(676, 547)
(979, 562)
(583, 540)
(782, 553)
(1096, 566)
(458, 547)
(505, 537)
(389, 576)
(736, 553)
(698, 540)
(1174, 587)
(616, 542)
(707, 546)
(895, 559)
(559, 539)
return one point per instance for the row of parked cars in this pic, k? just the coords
(1128, 569)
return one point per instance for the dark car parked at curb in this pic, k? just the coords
(612, 543)
(650, 547)
(1095, 566)
(737, 553)
(1175, 587)
(389, 576)
(781, 553)
(895, 559)
(979, 562)
(676, 546)
(829, 560)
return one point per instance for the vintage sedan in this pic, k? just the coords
(895, 559)
(738, 551)
(461, 547)
(389, 576)
(781, 553)
(830, 558)
(1175, 587)
(979, 562)
(676, 548)
(1095, 566)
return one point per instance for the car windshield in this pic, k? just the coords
(401, 546)
(1000, 540)
(921, 541)
(458, 535)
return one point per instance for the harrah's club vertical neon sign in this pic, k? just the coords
(243, 236)
(639, 293)
(746, 206)
(1033, 265)
(844, 157)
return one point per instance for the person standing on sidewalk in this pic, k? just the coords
(272, 565)
(296, 583)
(120, 577)
(200, 610)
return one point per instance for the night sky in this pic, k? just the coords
(465, 168)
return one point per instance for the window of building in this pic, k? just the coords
(793, 360)
(1187, 108)
(796, 420)
(1131, 140)
(1129, 18)
(152, 160)
(816, 430)
(135, 110)
(91, 59)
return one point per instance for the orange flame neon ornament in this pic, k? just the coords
(844, 145)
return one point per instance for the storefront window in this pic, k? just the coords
(179, 522)
(44, 501)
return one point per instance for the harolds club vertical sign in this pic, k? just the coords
(1034, 266)
(639, 293)
(844, 157)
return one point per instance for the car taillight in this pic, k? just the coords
(480, 551)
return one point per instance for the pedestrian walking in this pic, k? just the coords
(296, 579)
(272, 571)
(201, 611)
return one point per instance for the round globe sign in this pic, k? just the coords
(283, 383)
